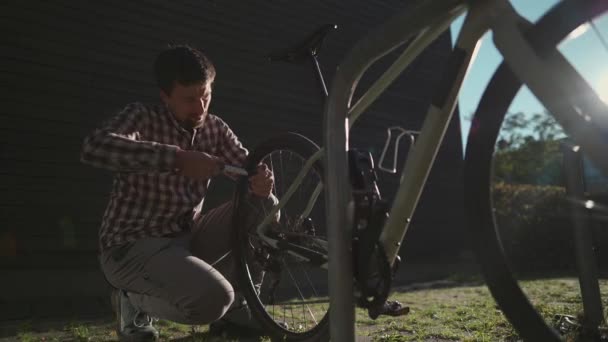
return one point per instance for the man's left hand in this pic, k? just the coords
(262, 182)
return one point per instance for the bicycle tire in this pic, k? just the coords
(552, 28)
(305, 148)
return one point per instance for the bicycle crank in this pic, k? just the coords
(372, 270)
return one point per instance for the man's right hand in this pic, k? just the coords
(197, 165)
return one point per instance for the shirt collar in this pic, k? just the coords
(172, 118)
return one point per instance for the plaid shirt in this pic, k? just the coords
(148, 198)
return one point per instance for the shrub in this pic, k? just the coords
(534, 225)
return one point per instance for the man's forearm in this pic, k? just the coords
(120, 153)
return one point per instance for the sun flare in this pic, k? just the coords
(602, 87)
(579, 31)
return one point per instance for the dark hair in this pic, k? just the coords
(182, 64)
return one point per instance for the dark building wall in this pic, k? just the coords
(66, 66)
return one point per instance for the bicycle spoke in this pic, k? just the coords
(300, 292)
(293, 318)
(312, 286)
(303, 187)
(304, 315)
(283, 180)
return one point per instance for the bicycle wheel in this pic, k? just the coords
(497, 157)
(291, 301)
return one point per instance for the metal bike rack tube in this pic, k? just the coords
(339, 204)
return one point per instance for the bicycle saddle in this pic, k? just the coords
(308, 47)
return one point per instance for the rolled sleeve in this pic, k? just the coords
(117, 145)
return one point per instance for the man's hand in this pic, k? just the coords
(262, 182)
(197, 165)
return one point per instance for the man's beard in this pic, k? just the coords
(192, 123)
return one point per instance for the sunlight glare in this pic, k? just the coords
(579, 31)
(602, 87)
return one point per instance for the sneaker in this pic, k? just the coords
(389, 308)
(131, 325)
(239, 322)
(236, 322)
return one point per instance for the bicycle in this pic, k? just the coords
(359, 252)
(300, 147)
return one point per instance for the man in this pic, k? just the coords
(164, 258)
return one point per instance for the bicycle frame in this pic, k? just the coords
(423, 22)
(424, 39)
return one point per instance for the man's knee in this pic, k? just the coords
(208, 306)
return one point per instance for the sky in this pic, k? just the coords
(586, 53)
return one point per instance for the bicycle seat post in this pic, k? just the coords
(309, 47)
(320, 78)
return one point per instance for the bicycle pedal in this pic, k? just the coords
(567, 323)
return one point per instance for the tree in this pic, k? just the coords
(528, 150)
(520, 128)
(531, 162)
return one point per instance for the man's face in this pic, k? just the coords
(189, 103)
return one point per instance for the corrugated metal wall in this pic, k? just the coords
(68, 65)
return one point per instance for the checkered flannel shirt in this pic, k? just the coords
(148, 198)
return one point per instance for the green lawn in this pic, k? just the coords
(444, 311)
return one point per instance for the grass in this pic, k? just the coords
(465, 312)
